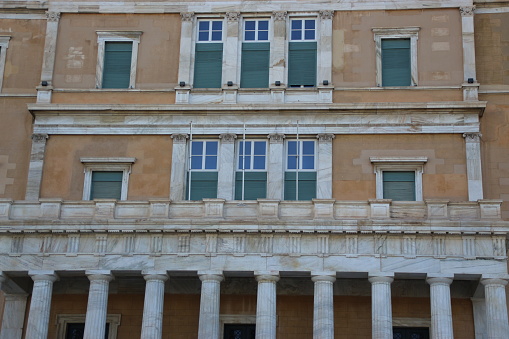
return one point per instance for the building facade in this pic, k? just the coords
(243, 170)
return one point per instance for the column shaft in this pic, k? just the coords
(38, 318)
(178, 167)
(152, 324)
(441, 313)
(226, 177)
(496, 308)
(35, 166)
(208, 327)
(474, 169)
(325, 49)
(324, 167)
(97, 308)
(266, 318)
(231, 45)
(186, 47)
(277, 49)
(381, 307)
(323, 312)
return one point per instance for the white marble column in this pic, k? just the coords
(277, 49)
(496, 308)
(178, 167)
(266, 318)
(324, 71)
(48, 62)
(97, 308)
(40, 305)
(152, 324)
(441, 313)
(470, 91)
(323, 312)
(479, 309)
(226, 175)
(275, 168)
(324, 166)
(231, 46)
(35, 167)
(186, 47)
(208, 327)
(474, 170)
(381, 306)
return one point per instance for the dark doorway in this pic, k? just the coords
(77, 330)
(239, 331)
(410, 333)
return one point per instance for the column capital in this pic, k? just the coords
(438, 280)
(276, 138)
(155, 275)
(53, 16)
(472, 137)
(467, 11)
(43, 275)
(279, 15)
(179, 138)
(325, 137)
(187, 16)
(39, 137)
(326, 14)
(228, 138)
(95, 275)
(213, 275)
(385, 278)
(324, 278)
(494, 281)
(273, 278)
(233, 16)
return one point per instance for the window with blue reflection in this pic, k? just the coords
(300, 155)
(204, 155)
(252, 155)
(210, 31)
(256, 30)
(303, 29)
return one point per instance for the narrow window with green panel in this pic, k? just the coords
(202, 175)
(302, 53)
(106, 185)
(300, 175)
(254, 71)
(208, 58)
(396, 65)
(117, 64)
(251, 175)
(399, 185)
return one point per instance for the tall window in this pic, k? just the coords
(4, 44)
(255, 54)
(302, 57)
(399, 185)
(208, 60)
(396, 68)
(300, 175)
(251, 176)
(202, 179)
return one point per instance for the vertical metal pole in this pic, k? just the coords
(190, 160)
(298, 165)
(243, 159)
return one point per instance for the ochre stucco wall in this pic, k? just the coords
(444, 175)
(158, 53)
(150, 174)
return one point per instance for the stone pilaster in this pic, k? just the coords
(226, 175)
(275, 168)
(208, 327)
(178, 167)
(95, 321)
(324, 166)
(186, 47)
(277, 49)
(266, 319)
(323, 312)
(324, 71)
(496, 308)
(474, 170)
(230, 67)
(441, 313)
(13, 316)
(381, 306)
(48, 62)
(35, 167)
(470, 91)
(40, 305)
(479, 309)
(152, 324)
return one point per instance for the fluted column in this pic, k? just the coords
(441, 313)
(152, 325)
(208, 327)
(496, 308)
(381, 307)
(97, 308)
(266, 319)
(38, 318)
(323, 312)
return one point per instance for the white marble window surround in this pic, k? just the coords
(411, 33)
(415, 164)
(4, 44)
(106, 164)
(116, 36)
(64, 319)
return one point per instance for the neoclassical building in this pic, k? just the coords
(239, 170)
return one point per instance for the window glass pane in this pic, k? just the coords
(292, 161)
(308, 162)
(197, 148)
(217, 25)
(247, 162)
(259, 162)
(250, 25)
(196, 162)
(203, 36)
(210, 162)
(309, 35)
(292, 147)
(216, 36)
(249, 36)
(308, 147)
(310, 24)
(203, 25)
(296, 35)
(263, 25)
(296, 24)
(211, 148)
(259, 147)
(263, 35)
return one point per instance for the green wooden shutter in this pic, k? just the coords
(307, 185)
(255, 185)
(208, 65)
(399, 186)
(203, 185)
(396, 69)
(117, 64)
(255, 65)
(106, 185)
(302, 64)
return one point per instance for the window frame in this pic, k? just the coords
(299, 169)
(203, 155)
(257, 21)
(399, 164)
(197, 34)
(303, 19)
(4, 44)
(411, 33)
(252, 155)
(64, 319)
(116, 36)
(106, 165)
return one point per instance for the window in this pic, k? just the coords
(106, 178)
(410, 332)
(251, 175)
(208, 62)
(255, 54)
(300, 175)
(302, 53)
(239, 331)
(396, 56)
(72, 326)
(4, 44)
(203, 174)
(399, 178)
(116, 59)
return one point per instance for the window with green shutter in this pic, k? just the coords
(399, 185)
(302, 55)
(208, 58)
(254, 70)
(300, 175)
(251, 176)
(117, 64)
(203, 176)
(306, 184)
(106, 185)
(396, 65)
(203, 185)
